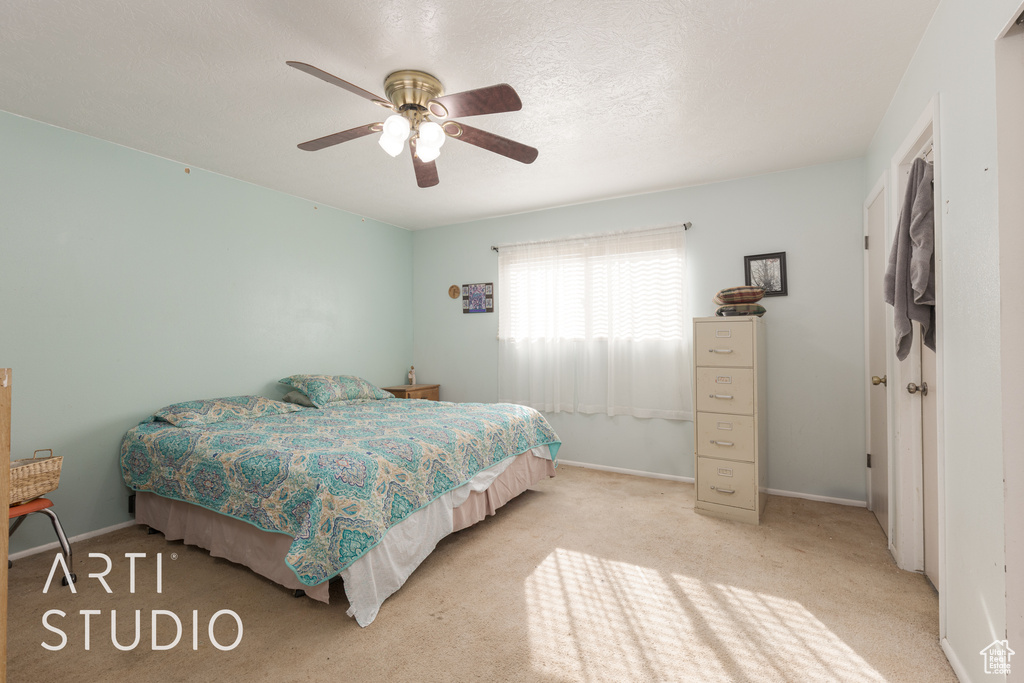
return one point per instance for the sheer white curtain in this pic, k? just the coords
(596, 324)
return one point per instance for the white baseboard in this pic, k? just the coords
(80, 537)
(620, 470)
(689, 480)
(954, 661)
(821, 499)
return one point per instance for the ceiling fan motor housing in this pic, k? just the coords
(409, 89)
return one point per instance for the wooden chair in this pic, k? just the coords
(19, 512)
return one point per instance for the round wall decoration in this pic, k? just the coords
(454, 291)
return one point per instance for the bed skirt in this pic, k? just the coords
(381, 571)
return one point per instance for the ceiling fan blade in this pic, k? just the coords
(426, 171)
(493, 99)
(334, 80)
(491, 142)
(338, 138)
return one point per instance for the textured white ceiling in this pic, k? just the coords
(620, 96)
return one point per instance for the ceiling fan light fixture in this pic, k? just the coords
(394, 132)
(426, 153)
(392, 146)
(431, 135)
(397, 126)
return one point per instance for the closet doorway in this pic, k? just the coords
(914, 489)
(918, 390)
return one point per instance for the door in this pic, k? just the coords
(915, 419)
(878, 440)
(918, 410)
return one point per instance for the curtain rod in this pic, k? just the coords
(686, 226)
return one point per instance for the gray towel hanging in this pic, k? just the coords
(909, 284)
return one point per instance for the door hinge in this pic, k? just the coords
(865, 241)
(869, 460)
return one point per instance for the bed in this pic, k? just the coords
(362, 488)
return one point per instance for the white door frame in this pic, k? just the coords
(1010, 142)
(879, 187)
(906, 500)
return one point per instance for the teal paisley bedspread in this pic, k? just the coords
(336, 479)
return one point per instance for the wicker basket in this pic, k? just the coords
(35, 476)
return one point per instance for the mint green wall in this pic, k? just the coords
(955, 60)
(815, 335)
(127, 284)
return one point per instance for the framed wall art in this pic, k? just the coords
(478, 298)
(767, 271)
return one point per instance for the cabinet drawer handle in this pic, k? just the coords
(719, 350)
(723, 490)
(722, 443)
(725, 396)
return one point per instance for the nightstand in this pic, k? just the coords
(431, 392)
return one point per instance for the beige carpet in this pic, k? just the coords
(590, 577)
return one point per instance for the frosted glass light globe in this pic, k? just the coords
(426, 153)
(397, 126)
(392, 146)
(431, 134)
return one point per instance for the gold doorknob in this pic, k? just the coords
(876, 380)
(913, 388)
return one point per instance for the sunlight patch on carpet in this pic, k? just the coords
(593, 619)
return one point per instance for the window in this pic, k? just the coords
(596, 325)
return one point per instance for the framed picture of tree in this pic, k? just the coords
(767, 271)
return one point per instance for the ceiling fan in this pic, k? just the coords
(417, 98)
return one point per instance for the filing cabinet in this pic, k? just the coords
(731, 430)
